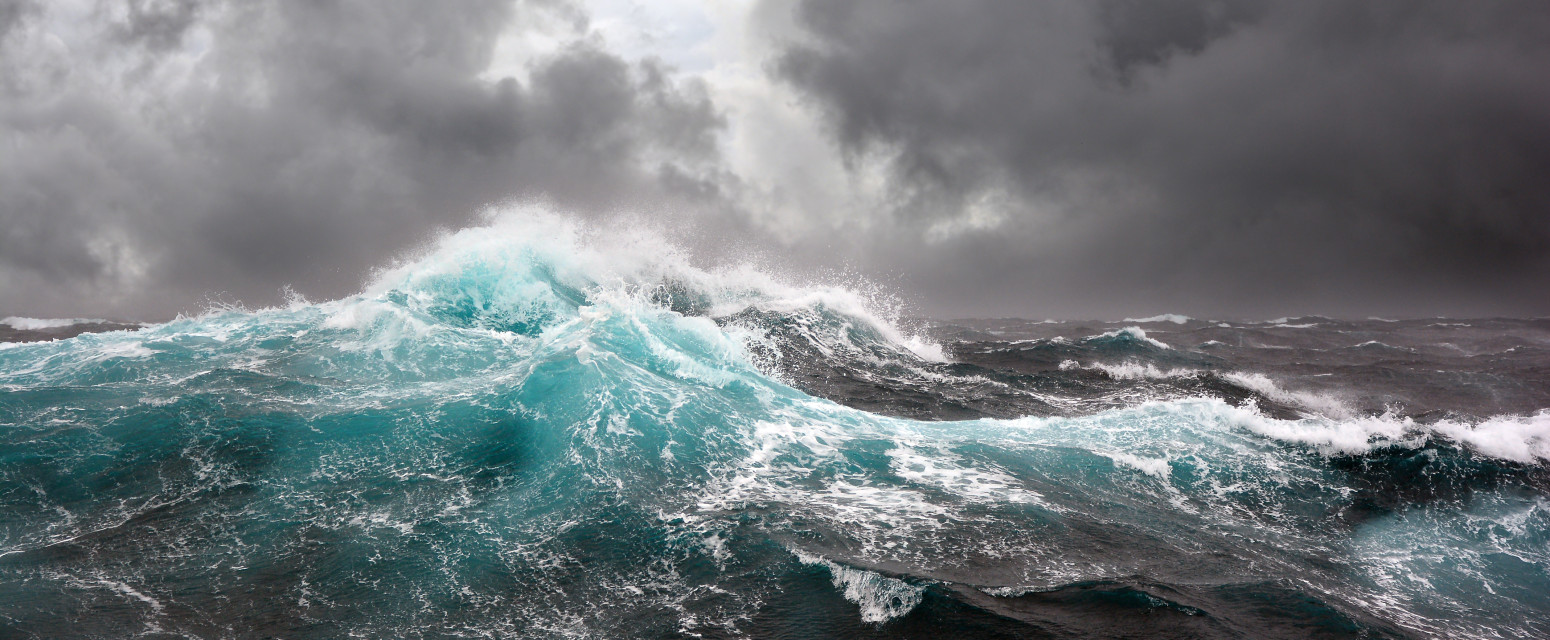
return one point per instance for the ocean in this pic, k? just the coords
(537, 429)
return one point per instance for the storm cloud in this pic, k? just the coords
(1217, 157)
(1098, 159)
(162, 155)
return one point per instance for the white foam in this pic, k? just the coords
(131, 592)
(1318, 403)
(1524, 439)
(1517, 438)
(1331, 437)
(881, 598)
(1130, 370)
(1134, 333)
(1166, 317)
(134, 349)
(1040, 341)
(936, 468)
(1380, 345)
(924, 348)
(1157, 467)
(525, 247)
(38, 324)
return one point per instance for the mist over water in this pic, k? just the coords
(538, 429)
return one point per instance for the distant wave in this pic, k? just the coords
(39, 324)
(1131, 370)
(1523, 439)
(1166, 317)
(1127, 334)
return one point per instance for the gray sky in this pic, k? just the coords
(1057, 159)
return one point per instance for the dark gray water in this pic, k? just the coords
(1427, 369)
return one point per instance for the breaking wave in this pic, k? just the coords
(535, 428)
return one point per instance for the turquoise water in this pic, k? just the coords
(536, 430)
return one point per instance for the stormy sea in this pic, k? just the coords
(536, 429)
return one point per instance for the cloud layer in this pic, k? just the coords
(174, 151)
(1219, 156)
(1120, 157)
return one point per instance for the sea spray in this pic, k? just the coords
(545, 430)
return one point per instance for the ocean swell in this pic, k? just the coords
(535, 428)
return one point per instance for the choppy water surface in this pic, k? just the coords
(537, 431)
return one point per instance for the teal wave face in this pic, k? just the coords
(530, 431)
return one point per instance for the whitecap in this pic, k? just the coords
(1166, 317)
(38, 324)
(1131, 333)
(1318, 403)
(1130, 370)
(881, 598)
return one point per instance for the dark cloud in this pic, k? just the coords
(1138, 33)
(226, 149)
(1216, 157)
(1227, 156)
(158, 24)
(12, 12)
